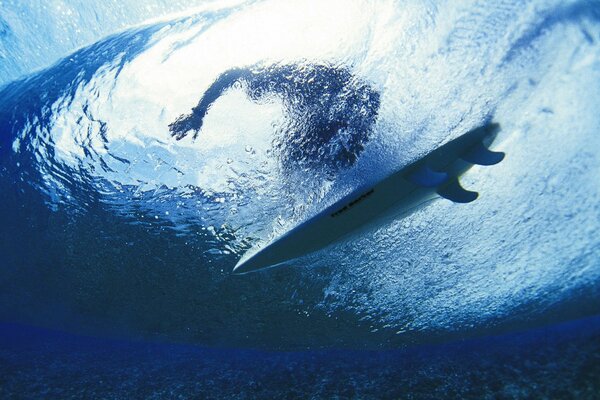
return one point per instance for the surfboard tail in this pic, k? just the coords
(442, 168)
(481, 155)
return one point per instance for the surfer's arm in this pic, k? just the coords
(193, 121)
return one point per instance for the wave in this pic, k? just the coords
(111, 224)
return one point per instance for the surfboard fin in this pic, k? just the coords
(426, 177)
(456, 193)
(481, 155)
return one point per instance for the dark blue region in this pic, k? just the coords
(560, 361)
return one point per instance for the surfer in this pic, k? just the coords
(329, 112)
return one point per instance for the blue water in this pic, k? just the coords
(558, 362)
(141, 158)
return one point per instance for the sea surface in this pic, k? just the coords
(146, 146)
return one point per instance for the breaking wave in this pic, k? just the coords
(116, 219)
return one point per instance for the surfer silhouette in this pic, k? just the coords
(329, 113)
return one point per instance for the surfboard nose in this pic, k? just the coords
(242, 267)
(276, 253)
(250, 264)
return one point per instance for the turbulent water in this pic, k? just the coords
(34, 34)
(113, 222)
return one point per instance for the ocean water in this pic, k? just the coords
(142, 153)
(560, 362)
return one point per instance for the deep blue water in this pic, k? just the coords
(557, 362)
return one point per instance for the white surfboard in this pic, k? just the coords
(401, 193)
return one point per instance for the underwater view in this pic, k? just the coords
(345, 199)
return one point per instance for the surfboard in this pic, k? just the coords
(400, 194)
